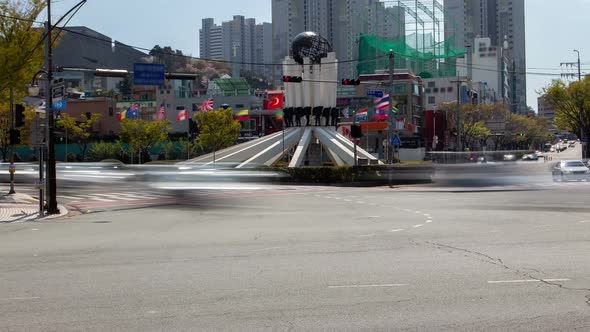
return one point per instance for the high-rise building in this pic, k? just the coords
(339, 21)
(546, 111)
(499, 20)
(240, 41)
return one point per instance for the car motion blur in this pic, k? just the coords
(570, 170)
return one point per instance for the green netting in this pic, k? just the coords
(418, 52)
(229, 87)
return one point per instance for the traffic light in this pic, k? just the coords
(348, 81)
(14, 136)
(19, 115)
(292, 79)
(356, 131)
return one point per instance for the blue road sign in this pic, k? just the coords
(59, 104)
(148, 74)
(375, 93)
(396, 141)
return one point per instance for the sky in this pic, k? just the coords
(553, 29)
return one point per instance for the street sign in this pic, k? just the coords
(148, 74)
(58, 91)
(59, 104)
(375, 93)
(40, 184)
(396, 141)
(11, 169)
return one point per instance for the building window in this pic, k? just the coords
(431, 84)
(435, 90)
(450, 89)
(431, 100)
(111, 111)
(427, 90)
(442, 90)
(239, 106)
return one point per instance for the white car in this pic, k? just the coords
(567, 170)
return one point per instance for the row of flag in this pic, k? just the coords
(381, 110)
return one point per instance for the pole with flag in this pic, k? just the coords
(161, 116)
(182, 115)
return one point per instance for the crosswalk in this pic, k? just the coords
(112, 197)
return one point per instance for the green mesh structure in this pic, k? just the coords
(229, 87)
(420, 53)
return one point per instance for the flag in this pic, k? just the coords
(242, 115)
(133, 112)
(206, 105)
(380, 114)
(394, 109)
(279, 115)
(273, 102)
(161, 116)
(122, 115)
(362, 115)
(345, 113)
(182, 115)
(382, 103)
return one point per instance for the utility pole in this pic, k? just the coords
(579, 66)
(11, 191)
(390, 133)
(50, 122)
(458, 125)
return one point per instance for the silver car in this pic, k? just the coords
(570, 170)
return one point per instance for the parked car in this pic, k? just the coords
(568, 170)
(509, 157)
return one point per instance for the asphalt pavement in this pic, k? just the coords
(406, 258)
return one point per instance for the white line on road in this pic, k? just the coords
(584, 221)
(265, 249)
(396, 230)
(419, 225)
(524, 280)
(71, 198)
(347, 200)
(428, 221)
(19, 298)
(368, 235)
(418, 212)
(367, 286)
(35, 229)
(359, 202)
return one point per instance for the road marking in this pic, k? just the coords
(93, 197)
(35, 229)
(419, 225)
(19, 298)
(71, 198)
(584, 221)
(524, 280)
(373, 204)
(396, 230)
(418, 212)
(347, 200)
(359, 202)
(428, 221)
(368, 235)
(373, 217)
(265, 249)
(367, 286)
(406, 210)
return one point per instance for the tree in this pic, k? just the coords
(142, 134)
(572, 106)
(217, 129)
(79, 130)
(125, 87)
(21, 49)
(173, 60)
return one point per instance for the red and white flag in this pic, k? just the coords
(274, 101)
(161, 116)
(206, 105)
(182, 115)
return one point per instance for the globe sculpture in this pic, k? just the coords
(311, 45)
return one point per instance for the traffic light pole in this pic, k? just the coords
(11, 170)
(390, 132)
(51, 172)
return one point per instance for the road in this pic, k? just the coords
(407, 258)
(416, 257)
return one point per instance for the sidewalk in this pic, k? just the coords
(21, 208)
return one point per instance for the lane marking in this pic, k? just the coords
(367, 286)
(347, 200)
(359, 202)
(428, 221)
(71, 198)
(265, 249)
(418, 212)
(373, 217)
(19, 298)
(35, 229)
(419, 225)
(368, 235)
(524, 280)
(584, 221)
(396, 230)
